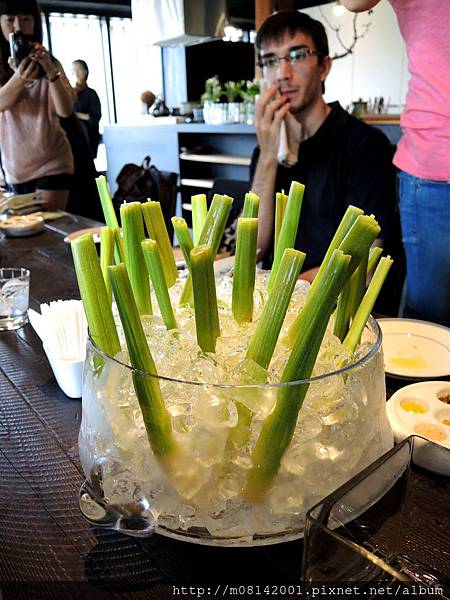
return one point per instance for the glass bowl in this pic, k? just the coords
(341, 428)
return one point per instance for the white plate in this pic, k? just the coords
(415, 349)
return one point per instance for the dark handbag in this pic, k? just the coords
(139, 183)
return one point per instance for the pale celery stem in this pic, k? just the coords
(251, 206)
(156, 418)
(265, 336)
(110, 217)
(205, 299)
(93, 293)
(155, 269)
(279, 426)
(156, 227)
(199, 213)
(244, 270)
(106, 255)
(289, 227)
(374, 256)
(362, 314)
(280, 208)
(133, 234)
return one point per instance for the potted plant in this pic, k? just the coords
(249, 90)
(212, 110)
(232, 91)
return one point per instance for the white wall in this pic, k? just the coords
(378, 65)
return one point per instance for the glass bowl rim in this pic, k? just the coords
(361, 361)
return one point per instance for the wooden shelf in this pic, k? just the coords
(198, 183)
(224, 159)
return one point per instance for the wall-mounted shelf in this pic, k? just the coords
(219, 159)
(198, 183)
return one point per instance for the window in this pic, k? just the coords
(118, 71)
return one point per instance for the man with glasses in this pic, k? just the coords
(341, 160)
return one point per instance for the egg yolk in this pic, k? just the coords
(413, 406)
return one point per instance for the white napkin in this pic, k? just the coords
(289, 142)
(62, 327)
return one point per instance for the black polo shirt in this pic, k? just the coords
(345, 162)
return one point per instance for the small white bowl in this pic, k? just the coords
(416, 409)
(68, 374)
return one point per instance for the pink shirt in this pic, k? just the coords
(32, 141)
(424, 149)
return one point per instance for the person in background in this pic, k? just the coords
(423, 155)
(340, 159)
(87, 106)
(36, 154)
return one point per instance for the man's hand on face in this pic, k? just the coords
(270, 110)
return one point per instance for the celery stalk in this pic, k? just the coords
(289, 227)
(205, 299)
(353, 337)
(278, 428)
(251, 206)
(212, 232)
(199, 213)
(133, 234)
(156, 227)
(184, 238)
(244, 270)
(374, 256)
(156, 418)
(350, 216)
(97, 305)
(265, 337)
(155, 269)
(110, 217)
(350, 299)
(106, 255)
(280, 208)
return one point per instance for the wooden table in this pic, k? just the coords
(47, 550)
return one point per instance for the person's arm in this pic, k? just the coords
(61, 92)
(26, 72)
(359, 5)
(269, 113)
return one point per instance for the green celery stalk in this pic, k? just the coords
(265, 337)
(356, 243)
(347, 221)
(199, 213)
(374, 256)
(133, 234)
(251, 206)
(212, 233)
(244, 270)
(156, 417)
(278, 428)
(106, 255)
(97, 305)
(110, 217)
(155, 269)
(289, 227)
(353, 337)
(184, 238)
(350, 299)
(205, 299)
(280, 208)
(156, 227)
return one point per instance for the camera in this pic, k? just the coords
(20, 47)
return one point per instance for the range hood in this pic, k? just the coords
(180, 22)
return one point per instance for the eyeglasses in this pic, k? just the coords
(296, 55)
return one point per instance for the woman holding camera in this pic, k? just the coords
(34, 92)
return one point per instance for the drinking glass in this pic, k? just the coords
(14, 297)
(382, 526)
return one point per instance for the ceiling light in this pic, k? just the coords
(338, 9)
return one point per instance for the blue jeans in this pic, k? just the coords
(425, 219)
